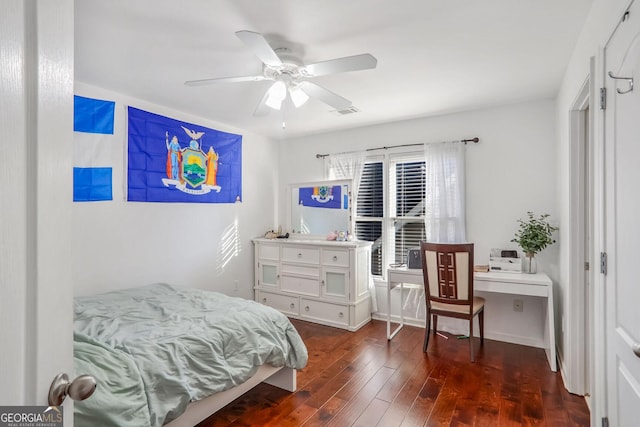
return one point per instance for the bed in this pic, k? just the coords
(169, 355)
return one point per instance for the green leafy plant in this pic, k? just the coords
(534, 234)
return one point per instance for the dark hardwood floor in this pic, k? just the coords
(360, 379)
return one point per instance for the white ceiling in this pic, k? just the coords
(434, 56)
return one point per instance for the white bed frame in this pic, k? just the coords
(284, 378)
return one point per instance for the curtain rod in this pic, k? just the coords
(475, 140)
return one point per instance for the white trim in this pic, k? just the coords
(574, 304)
(598, 361)
(454, 328)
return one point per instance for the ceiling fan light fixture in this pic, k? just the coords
(298, 97)
(277, 94)
(274, 103)
(283, 66)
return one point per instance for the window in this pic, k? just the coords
(393, 208)
(391, 216)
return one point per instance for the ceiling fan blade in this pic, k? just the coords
(257, 43)
(224, 80)
(262, 109)
(363, 61)
(324, 95)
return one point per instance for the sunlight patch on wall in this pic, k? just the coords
(229, 246)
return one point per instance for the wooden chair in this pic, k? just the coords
(448, 287)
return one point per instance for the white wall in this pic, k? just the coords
(120, 244)
(511, 171)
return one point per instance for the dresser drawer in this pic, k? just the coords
(300, 254)
(302, 270)
(300, 285)
(325, 312)
(335, 257)
(267, 251)
(284, 303)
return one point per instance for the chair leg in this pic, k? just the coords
(473, 359)
(427, 333)
(435, 324)
(481, 322)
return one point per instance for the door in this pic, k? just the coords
(268, 274)
(622, 224)
(335, 283)
(36, 101)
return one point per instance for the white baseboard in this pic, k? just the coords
(444, 326)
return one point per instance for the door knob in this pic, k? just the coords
(79, 389)
(636, 349)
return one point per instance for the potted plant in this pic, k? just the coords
(532, 236)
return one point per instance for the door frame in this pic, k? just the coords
(598, 398)
(581, 197)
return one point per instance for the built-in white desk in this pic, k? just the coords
(537, 285)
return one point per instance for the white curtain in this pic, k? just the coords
(347, 166)
(445, 192)
(350, 166)
(445, 217)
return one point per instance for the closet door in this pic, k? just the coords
(622, 204)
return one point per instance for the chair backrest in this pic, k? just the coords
(448, 272)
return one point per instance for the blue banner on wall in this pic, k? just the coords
(93, 140)
(321, 197)
(174, 161)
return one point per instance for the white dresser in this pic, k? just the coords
(318, 281)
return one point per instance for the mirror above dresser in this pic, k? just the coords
(320, 207)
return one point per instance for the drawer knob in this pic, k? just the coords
(264, 300)
(292, 305)
(306, 308)
(299, 255)
(335, 257)
(340, 315)
(322, 283)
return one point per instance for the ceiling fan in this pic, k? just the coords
(290, 76)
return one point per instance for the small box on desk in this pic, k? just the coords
(505, 260)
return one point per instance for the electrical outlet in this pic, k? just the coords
(518, 305)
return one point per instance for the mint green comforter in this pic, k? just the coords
(156, 348)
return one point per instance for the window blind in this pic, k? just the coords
(370, 201)
(409, 209)
(370, 211)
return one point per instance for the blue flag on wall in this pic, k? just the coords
(93, 139)
(174, 161)
(321, 197)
